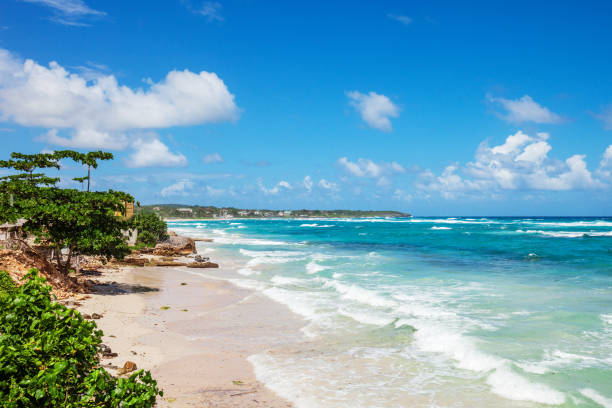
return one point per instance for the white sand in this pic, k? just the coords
(197, 348)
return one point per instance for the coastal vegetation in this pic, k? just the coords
(65, 221)
(186, 211)
(49, 356)
(151, 228)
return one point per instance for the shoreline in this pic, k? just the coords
(193, 332)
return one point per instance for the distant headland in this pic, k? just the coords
(196, 212)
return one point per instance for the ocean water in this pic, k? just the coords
(430, 312)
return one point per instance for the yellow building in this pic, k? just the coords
(129, 210)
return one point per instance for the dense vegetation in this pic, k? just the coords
(182, 211)
(81, 222)
(49, 356)
(151, 228)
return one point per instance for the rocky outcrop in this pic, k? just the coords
(203, 265)
(174, 246)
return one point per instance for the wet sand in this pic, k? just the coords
(193, 333)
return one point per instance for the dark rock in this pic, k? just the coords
(96, 316)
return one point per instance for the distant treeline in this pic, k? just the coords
(187, 211)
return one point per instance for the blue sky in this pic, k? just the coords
(427, 107)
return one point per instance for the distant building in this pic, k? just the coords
(243, 213)
(257, 212)
(185, 211)
(10, 230)
(287, 213)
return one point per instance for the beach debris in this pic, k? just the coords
(200, 258)
(165, 307)
(107, 352)
(237, 382)
(166, 263)
(183, 283)
(86, 316)
(96, 316)
(203, 265)
(128, 367)
(184, 310)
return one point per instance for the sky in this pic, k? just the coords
(432, 108)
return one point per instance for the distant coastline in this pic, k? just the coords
(171, 212)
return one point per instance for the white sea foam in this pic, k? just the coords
(285, 280)
(317, 225)
(505, 382)
(569, 234)
(597, 397)
(440, 228)
(298, 303)
(607, 318)
(276, 254)
(247, 272)
(598, 223)
(358, 294)
(337, 275)
(366, 318)
(312, 267)
(248, 241)
(275, 378)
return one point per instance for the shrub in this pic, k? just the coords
(7, 286)
(49, 357)
(151, 228)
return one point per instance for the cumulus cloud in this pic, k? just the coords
(100, 113)
(520, 163)
(280, 186)
(151, 152)
(307, 183)
(68, 12)
(405, 20)
(328, 185)
(375, 109)
(370, 169)
(525, 109)
(212, 158)
(180, 188)
(605, 166)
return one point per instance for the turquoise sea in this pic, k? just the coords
(430, 312)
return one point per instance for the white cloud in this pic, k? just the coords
(98, 113)
(606, 117)
(68, 12)
(211, 10)
(520, 163)
(605, 166)
(400, 18)
(212, 158)
(328, 185)
(307, 183)
(606, 161)
(274, 190)
(525, 109)
(151, 152)
(370, 169)
(180, 188)
(401, 195)
(375, 109)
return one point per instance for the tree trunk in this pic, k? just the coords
(88, 176)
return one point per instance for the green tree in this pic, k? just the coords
(49, 357)
(151, 228)
(71, 221)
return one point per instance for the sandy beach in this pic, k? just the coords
(193, 333)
